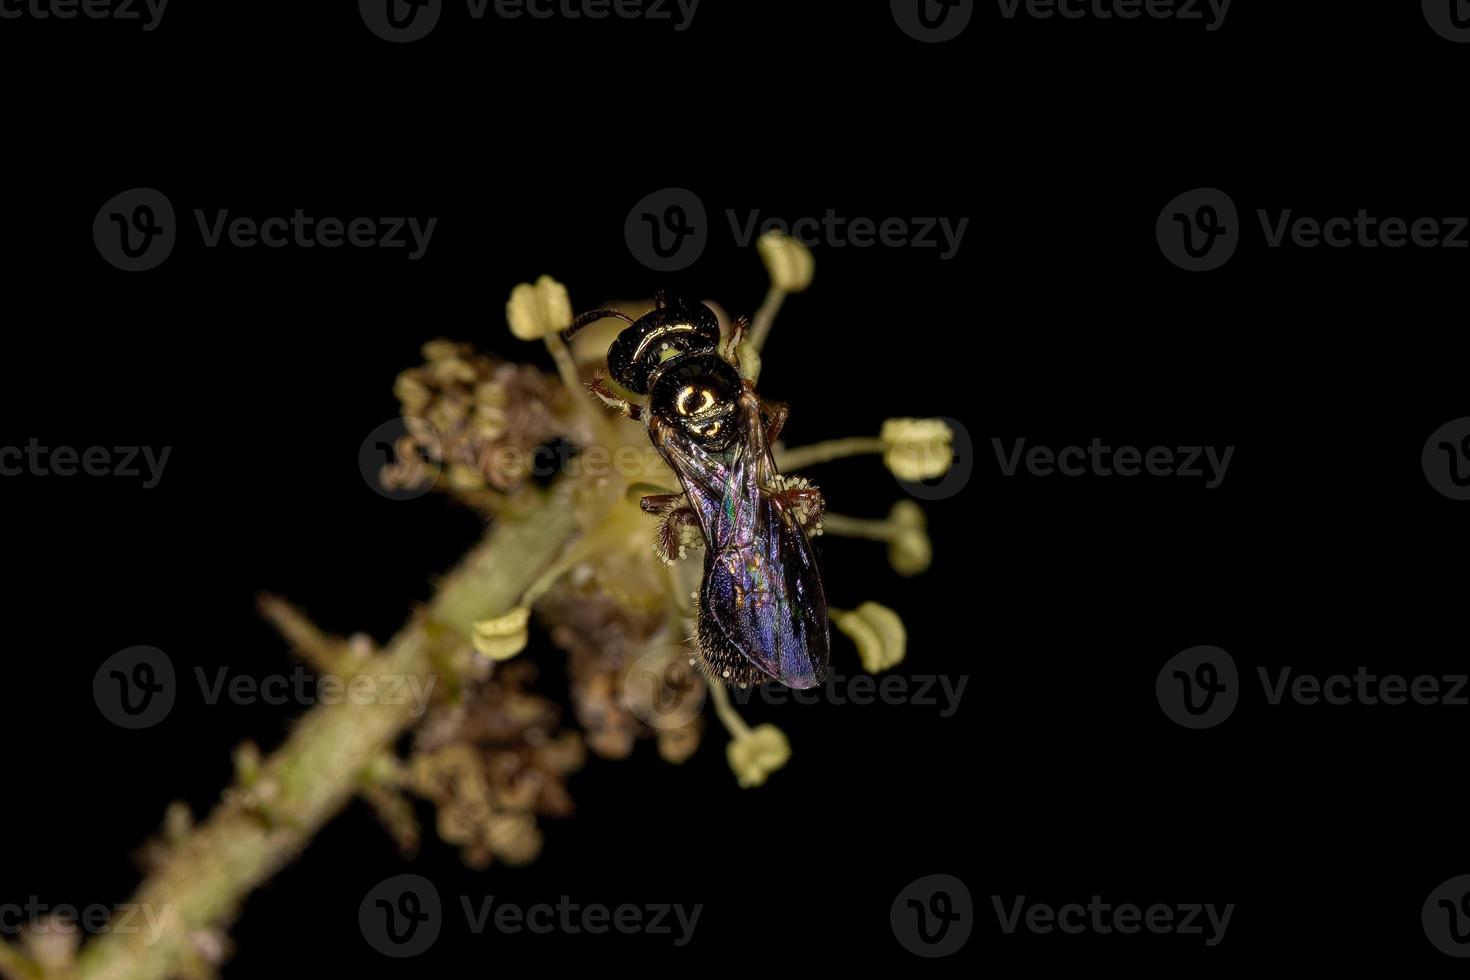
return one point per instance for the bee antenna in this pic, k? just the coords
(591, 317)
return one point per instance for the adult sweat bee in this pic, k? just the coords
(762, 607)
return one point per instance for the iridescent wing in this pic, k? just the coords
(763, 610)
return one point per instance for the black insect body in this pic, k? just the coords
(762, 608)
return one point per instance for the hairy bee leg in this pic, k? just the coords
(804, 502)
(731, 350)
(778, 413)
(599, 388)
(661, 503)
(674, 537)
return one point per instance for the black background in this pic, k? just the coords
(1059, 778)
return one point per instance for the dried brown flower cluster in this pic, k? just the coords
(474, 420)
(492, 764)
(603, 640)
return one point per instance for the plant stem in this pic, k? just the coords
(202, 881)
(15, 965)
(765, 318)
(824, 452)
(858, 527)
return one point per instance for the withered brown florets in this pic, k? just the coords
(478, 419)
(604, 639)
(493, 765)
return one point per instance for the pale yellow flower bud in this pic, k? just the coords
(877, 632)
(909, 549)
(757, 753)
(539, 310)
(789, 262)
(504, 636)
(412, 393)
(917, 449)
(514, 838)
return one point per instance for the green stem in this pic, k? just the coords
(825, 452)
(15, 965)
(857, 527)
(765, 318)
(206, 876)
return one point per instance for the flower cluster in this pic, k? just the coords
(493, 764)
(494, 757)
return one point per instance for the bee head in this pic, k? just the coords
(673, 328)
